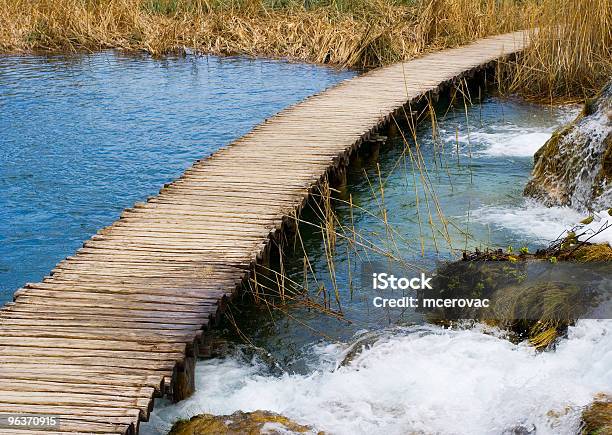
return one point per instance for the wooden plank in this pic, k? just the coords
(67, 375)
(91, 353)
(206, 306)
(68, 312)
(55, 398)
(131, 335)
(88, 413)
(11, 384)
(72, 428)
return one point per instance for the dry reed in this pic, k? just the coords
(568, 59)
(570, 55)
(358, 33)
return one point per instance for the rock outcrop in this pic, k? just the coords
(241, 423)
(574, 167)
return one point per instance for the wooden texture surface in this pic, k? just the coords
(114, 324)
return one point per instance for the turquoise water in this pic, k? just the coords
(466, 194)
(386, 370)
(83, 137)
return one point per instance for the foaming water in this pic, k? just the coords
(531, 218)
(508, 136)
(522, 144)
(418, 379)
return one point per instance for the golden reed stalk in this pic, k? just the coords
(570, 56)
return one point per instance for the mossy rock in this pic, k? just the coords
(574, 167)
(591, 253)
(469, 279)
(546, 183)
(603, 179)
(597, 417)
(540, 312)
(240, 423)
(526, 306)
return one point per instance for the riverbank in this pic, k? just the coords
(568, 61)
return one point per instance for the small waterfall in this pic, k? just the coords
(574, 167)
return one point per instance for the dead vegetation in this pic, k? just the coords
(356, 34)
(568, 60)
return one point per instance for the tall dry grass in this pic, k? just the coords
(348, 33)
(570, 56)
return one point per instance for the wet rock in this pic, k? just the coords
(520, 429)
(574, 167)
(533, 296)
(365, 341)
(241, 423)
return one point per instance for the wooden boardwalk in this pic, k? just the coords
(121, 321)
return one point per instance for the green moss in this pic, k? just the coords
(548, 169)
(587, 220)
(247, 423)
(570, 241)
(591, 253)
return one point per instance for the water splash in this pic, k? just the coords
(421, 378)
(510, 137)
(531, 218)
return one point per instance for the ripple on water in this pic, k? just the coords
(82, 137)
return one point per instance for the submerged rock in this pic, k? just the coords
(574, 167)
(520, 430)
(239, 423)
(355, 349)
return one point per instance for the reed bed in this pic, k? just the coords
(569, 58)
(347, 33)
(343, 248)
